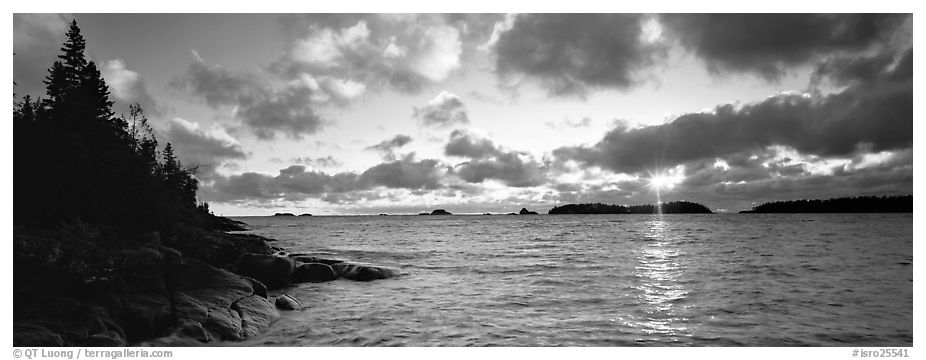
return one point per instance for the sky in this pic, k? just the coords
(473, 113)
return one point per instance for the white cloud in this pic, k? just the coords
(326, 47)
(442, 54)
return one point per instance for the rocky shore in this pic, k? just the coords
(196, 287)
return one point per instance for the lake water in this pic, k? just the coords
(604, 280)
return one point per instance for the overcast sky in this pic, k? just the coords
(364, 114)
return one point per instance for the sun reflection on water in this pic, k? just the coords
(659, 272)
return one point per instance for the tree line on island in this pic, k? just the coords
(858, 204)
(674, 207)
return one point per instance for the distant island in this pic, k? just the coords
(524, 211)
(858, 204)
(284, 214)
(436, 212)
(305, 214)
(675, 207)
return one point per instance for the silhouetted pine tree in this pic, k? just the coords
(75, 160)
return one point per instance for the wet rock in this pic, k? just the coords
(173, 340)
(314, 272)
(194, 330)
(273, 271)
(358, 272)
(286, 302)
(34, 335)
(312, 259)
(259, 288)
(105, 339)
(256, 313)
(205, 295)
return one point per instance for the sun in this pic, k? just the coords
(664, 181)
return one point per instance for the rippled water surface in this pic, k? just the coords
(604, 280)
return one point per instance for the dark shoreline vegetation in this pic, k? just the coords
(120, 252)
(858, 204)
(675, 207)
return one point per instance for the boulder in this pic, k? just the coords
(105, 339)
(210, 297)
(259, 288)
(173, 340)
(273, 271)
(314, 272)
(362, 272)
(286, 302)
(256, 313)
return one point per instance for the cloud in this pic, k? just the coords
(489, 162)
(465, 144)
(569, 54)
(388, 147)
(404, 52)
(297, 183)
(265, 110)
(874, 115)
(204, 148)
(770, 44)
(36, 42)
(443, 110)
(322, 162)
(128, 87)
(405, 173)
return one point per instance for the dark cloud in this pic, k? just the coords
(387, 147)
(876, 114)
(770, 44)
(267, 112)
(405, 173)
(201, 148)
(292, 183)
(488, 161)
(571, 53)
(444, 110)
(296, 182)
(464, 144)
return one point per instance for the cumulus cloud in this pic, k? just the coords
(569, 54)
(263, 109)
(128, 87)
(200, 147)
(398, 51)
(405, 173)
(445, 109)
(489, 162)
(296, 182)
(770, 44)
(466, 144)
(876, 115)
